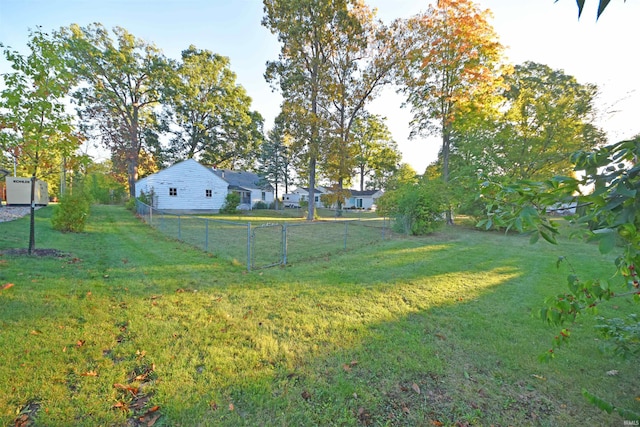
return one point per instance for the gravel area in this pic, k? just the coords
(9, 213)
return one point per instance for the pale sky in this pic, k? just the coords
(605, 53)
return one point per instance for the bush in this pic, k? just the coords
(231, 203)
(417, 208)
(261, 205)
(71, 213)
(131, 204)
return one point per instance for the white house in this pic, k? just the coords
(189, 187)
(301, 194)
(251, 187)
(362, 199)
(185, 187)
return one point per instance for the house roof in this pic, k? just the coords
(242, 180)
(356, 193)
(306, 189)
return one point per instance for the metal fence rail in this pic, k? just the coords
(266, 245)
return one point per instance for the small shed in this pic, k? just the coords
(19, 191)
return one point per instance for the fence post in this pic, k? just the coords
(284, 244)
(206, 234)
(248, 246)
(346, 224)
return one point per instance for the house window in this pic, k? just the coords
(264, 196)
(173, 191)
(317, 199)
(208, 193)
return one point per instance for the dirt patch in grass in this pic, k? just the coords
(35, 252)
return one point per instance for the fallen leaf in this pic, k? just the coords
(35, 332)
(120, 405)
(540, 377)
(346, 368)
(306, 395)
(132, 390)
(436, 423)
(231, 407)
(612, 373)
(415, 388)
(89, 374)
(442, 337)
(213, 406)
(354, 363)
(7, 286)
(80, 343)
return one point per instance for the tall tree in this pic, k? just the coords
(211, 112)
(454, 61)
(306, 30)
(122, 85)
(376, 155)
(37, 131)
(365, 55)
(277, 156)
(549, 115)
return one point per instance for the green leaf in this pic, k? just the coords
(599, 403)
(607, 242)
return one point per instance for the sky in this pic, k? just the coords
(605, 52)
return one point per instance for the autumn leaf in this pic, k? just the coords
(306, 395)
(80, 343)
(415, 388)
(120, 405)
(89, 374)
(231, 407)
(346, 368)
(132, 390)
(7, 286)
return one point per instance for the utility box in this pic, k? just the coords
(19, 192)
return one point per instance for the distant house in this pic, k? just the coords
(251, 188)
(189, 187)
(363, 199)
(301, 194)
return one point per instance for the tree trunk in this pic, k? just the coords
(446, 148)
(32, 223)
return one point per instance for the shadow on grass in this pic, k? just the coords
(415, 332)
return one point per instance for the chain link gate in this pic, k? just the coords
(267, 246)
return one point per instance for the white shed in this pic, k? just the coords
(185, 187)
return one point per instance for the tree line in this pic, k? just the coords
(150, 111)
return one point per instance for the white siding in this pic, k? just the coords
(191, 180)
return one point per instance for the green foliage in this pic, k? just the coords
(261, 205)
(211, 112)
(103, 189)
(417, 208)
(609, 216)
(71, 213)
(231, 203)
(130, 204)
(122, 77)
(147, 198)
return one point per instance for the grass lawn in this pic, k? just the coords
(132, 328)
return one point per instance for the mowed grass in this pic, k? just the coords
(133, 328)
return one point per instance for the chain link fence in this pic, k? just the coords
(262, 245)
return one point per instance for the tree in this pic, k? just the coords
(37, 131)
(362, 61)
(608, 214)
(211, 112)
(122, 86)
(376, 155)
(549, 115)
(307, 33)
(454, 62)
(276, 156)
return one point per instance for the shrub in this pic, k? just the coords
(231, 203)
(261, 205)
(417, 208)
(131, 204)
(71, 213)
